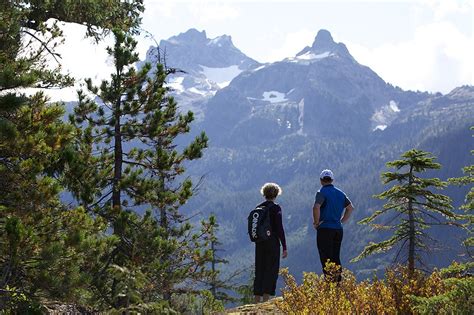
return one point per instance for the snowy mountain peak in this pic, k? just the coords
(223, 40)
(189, 50)
(208, 64)
(195, 38)
(324, 46)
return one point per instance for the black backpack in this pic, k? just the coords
(259, 225)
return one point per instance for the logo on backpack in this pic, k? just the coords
(259, 226)
(255, 217)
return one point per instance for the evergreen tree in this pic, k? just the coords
(128, 160)
(416, 207)
(43, 244)
(30, 32)
(468, 207)
(45, 247)
(217, 285)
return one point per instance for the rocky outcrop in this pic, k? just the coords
(256, 309)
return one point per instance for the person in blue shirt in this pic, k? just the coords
(331, 209)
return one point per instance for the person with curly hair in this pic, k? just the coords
(267, 252)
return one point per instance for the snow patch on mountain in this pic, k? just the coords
(274, 96)
(259, 68)
(394, 106)
(215, 41)
(380, 127)
(221, 76)
(311, 56)
(176, 83)
(300, 117)
(223, 84)
(385, 115)
(197, 91)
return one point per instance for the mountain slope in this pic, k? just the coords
(204, 66)
(286, 121)
(322, 90)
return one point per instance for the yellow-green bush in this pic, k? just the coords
(399, 293)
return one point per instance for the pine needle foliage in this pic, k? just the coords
(45, 246)
(218, 286)
(468, 206)
(415, 205)
(126, 159)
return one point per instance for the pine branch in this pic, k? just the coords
(43, 44)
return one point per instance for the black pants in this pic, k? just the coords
(329, 246)
(267, 265)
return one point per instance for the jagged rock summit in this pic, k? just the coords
(189, 37)
(289, 97)
(206, 65)
(324, 46)
(192, 49)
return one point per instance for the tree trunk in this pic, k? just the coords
(411, 239)
(213, 269)
(116, 192)
(116, 200)
(163, 219)
(165, 285)
(411, 230)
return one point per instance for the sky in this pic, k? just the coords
(424, 45)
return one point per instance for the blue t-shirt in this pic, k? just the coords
(333, 201)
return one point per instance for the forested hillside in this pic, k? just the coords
(327, 112)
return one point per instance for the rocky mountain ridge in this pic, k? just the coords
(204, 66)
(287, 120)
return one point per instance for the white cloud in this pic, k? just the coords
(437, 58)
(442, 8)
(82, 58)
(159, 8)
(290, 45)
(86, 58)
(209, 11)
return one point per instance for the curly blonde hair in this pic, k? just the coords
(270, 191)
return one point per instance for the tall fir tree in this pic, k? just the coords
(415, 205)
(468, 206)
(45, 246)
(128, 160)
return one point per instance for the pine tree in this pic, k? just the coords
(468, 207)
(416, 207)
(30, 32)
(43, 243)
(45, 246)
(217, 285)
(128, 160)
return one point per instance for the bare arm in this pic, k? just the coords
(347, 213)
(316, 213)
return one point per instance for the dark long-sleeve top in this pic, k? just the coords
(276, 221)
